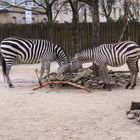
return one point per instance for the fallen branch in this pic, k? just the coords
(62, 82)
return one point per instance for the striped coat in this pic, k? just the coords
(32, 51)
(114, 55)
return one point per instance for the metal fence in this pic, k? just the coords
(62, 33)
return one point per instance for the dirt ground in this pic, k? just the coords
(64, 114)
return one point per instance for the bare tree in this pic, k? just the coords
(75, 20)
(134, 10)
(45, 7)
(106, 6)
(95, 24)
(95, 30)
(88, 2)
(125, 30)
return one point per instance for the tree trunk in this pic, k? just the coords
(125, 35)
(50, 23)
(95, 31)
(75, 28)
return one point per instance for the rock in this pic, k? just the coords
(85, 72)
(136, 112)
(100, 82)
(113, 82)
(80, 82)
(138, 119)
(76, 66)
(94, 85)
(123, 81)
(77, 78)
(53, 77)
(90, 81)
(85, 77)
(131, 116)
(119, 84)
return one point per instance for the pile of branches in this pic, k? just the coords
(85, 79)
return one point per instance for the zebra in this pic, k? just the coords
(32, 51)
(114, 55)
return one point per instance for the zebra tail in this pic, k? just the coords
(3, 65)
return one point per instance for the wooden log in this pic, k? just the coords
(63, 83)
(135, 106)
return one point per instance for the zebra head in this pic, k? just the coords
(63, 69)
(75, 64)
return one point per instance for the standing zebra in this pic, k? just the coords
(113, 55)
(32, 51)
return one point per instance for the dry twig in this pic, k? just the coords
(63, 83)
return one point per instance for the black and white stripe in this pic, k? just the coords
(32, 51)
(113, 55)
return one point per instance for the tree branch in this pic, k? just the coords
(59, 10)
(19, 6)
(88, 2)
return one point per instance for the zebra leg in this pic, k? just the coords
(134, 79)
(41, 74)
(131, 83)
(48, 71)
(133, 67)
(47, 67)
(105, 77)
(44, 66)
(130, 80)
(8, 68)
(131, 74)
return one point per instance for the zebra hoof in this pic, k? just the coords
(104, 86)
(127, 86)
(107, 87)
(51, 86)
(11, 86)
(131, 87)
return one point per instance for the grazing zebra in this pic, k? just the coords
(32, 51)
(113, 55)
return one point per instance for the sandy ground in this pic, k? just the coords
(63, 114)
